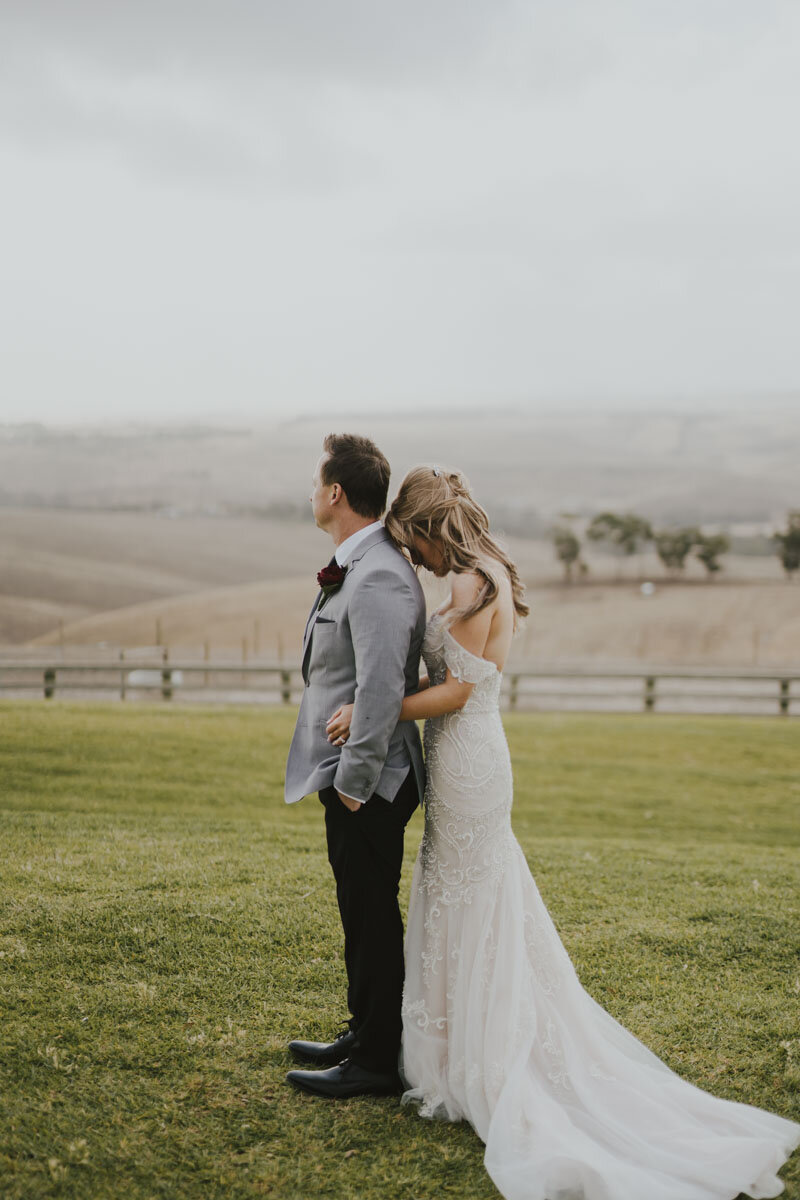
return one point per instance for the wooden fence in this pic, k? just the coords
(551, 687)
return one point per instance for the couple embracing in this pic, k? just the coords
(486, 1020)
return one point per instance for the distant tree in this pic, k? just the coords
(673, 546)
(624, 530)
(708, 547)
(788, 544)
(568, 550)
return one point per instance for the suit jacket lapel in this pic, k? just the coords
(312, 620)
(380, 535)
(314, 608)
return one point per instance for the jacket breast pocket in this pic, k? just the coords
(323, 637)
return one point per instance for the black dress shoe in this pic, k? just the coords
(325, 1054)
(345, 1080)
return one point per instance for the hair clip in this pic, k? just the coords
(436, 471)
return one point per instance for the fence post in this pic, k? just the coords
(49, 682)
(286, 687)
(784, 698)
(166, 678)
(122, 675)
(513, 692)
(649, 693)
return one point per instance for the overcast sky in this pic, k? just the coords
(245, 208)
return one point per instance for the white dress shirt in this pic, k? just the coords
(345, 549)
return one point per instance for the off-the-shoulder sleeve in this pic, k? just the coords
(464, 665)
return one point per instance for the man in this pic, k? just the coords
(361, 645)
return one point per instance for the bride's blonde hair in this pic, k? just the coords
(436, 502)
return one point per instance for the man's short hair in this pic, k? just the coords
(358, 466)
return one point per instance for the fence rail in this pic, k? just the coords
(546, 686)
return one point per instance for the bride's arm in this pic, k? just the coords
(338, 726)
(443, 698)
(473, 635)
(449, 696)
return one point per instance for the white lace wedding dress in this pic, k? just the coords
(497, 1028)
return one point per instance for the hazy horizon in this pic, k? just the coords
(688, 466)
(227, 420)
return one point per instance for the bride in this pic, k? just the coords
(497, 1028)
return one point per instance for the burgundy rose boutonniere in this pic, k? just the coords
(331, 578)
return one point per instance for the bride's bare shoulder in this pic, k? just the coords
(465, 587)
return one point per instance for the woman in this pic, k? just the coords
(497, 1028)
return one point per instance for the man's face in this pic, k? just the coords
(321, 495)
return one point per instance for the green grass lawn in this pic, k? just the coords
(167, 924)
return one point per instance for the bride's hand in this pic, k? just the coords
(338, 727)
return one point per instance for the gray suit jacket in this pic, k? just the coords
(362, 644)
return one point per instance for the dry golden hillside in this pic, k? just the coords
(731, 624)
(126, 579)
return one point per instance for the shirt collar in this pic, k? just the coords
(346, 549)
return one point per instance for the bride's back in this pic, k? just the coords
(501, 630)
(501, 610)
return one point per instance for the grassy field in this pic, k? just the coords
(167, 925)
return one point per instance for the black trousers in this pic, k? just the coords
(365, 850)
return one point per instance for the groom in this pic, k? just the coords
(361, 645)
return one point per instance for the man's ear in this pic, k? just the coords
(337, 492)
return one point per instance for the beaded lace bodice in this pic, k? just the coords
(441, 651)
(468, 794)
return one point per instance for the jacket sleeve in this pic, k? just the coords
(383, 613)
